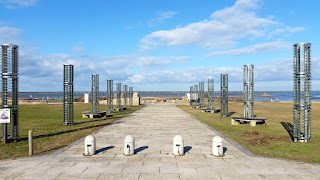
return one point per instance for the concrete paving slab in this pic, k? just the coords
(154, 126)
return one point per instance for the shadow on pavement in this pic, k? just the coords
(140, 149)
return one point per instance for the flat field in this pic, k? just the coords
(273, 139)
(45, 120)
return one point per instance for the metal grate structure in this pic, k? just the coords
(210, 94)
(95, 93)
(224, 94)
(67, 94)
(9, 59)
(302, 92)
(125, 94)
(118, 95)
(196, 94)
(109, 96)
(248, 91)
(130, 96)
(191, 95)
(201, 95)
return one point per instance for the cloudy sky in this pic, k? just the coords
(159, 45)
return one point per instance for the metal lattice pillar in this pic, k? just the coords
(68, 94)
(9, 57)
(248, 91)
(95, 93)
(201, 94)
(302, 92)
(130, 96)
(196, 94)
(191, 95)
(224, 94)
(125, 95)
(119, 95)
(210, 94)
(109, 96)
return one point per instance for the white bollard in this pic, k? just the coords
(129, 146)
(217, 146)
(178, 146)
(89, 145)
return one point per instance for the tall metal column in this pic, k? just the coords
(125, 95)
(201, 94)
(68, 94)
(224, 94)
(196, 94)
(130, 96)
(10, 77)
(95, 93)
(248, 91)
(302, 92)
(119, 95)
(109, 96)
(210, 94)
(191, 95)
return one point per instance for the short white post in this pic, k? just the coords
(30, 143)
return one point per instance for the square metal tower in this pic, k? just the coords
(248, 91)
(68, 94)
(302, 92)
(109, 95)
(224, 94)
(210, 94)
(9, 59)
(95, 93)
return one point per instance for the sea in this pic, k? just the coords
(276, 95)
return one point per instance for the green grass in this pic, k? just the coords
(49, 133)
(271, 140)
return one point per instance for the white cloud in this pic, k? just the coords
(222, 30)
(78, 49)
(258, 48)
(276, 70)
(7, 32)
(162, 17)
(12, 4)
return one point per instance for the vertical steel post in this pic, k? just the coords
(119, 95)
(68, 94)
(109, 96)
(210, 94)
(10, 87)
(224, 94)
(248, 91)
(302, 81)
(201, 94)
(125, 95)
(130, 96)
(95, 93)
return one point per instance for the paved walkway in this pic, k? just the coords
(154, 127)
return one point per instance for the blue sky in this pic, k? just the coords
(159, 45)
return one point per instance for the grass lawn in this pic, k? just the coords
(271, 140)
(49, 133)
